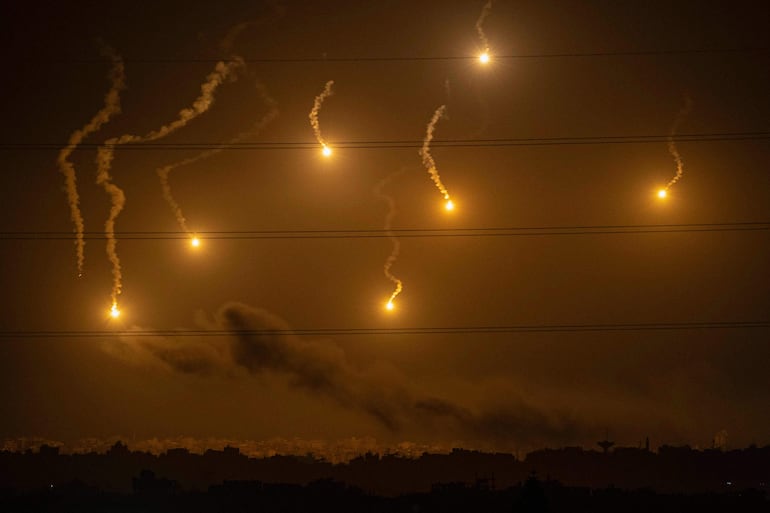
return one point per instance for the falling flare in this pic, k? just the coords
(114, 312)
(165, 171)
(325, 149)
(195, 242)
(484, 57)
(395, 243)
(427, 158)
(106, 153)
(449, 205)
(672, 149)
(110, 108)
(662, 193)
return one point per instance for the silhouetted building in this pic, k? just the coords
(533, 499)
(48, 451)
(606, 445)
(149, 485)
(119, 449)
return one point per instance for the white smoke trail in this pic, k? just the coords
(672, 149)
(106, 153)
(110, 108)
(314, 112)
(396, 244)
(163, 172)
(480, 25)
(427, 158)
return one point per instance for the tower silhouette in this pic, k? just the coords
(605, 444)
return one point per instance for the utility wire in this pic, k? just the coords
(458, 330)
(404, 233)
(407, 144)
(434, 58)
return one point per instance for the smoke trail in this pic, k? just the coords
(427, 158)
(261, 343)
(106, 153)
(111, 107)
(672, 145)
(479, 25)
(314, 113)
(164, 171)
(396, 244)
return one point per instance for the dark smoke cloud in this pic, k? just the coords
(321, 368)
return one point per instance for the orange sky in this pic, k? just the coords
(506, 390)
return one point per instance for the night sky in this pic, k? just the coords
(559, 69)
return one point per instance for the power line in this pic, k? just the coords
(434, 58)
(458, 330)
(752, 226)
(408, 144)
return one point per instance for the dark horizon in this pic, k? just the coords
(668, 469)
(334, 451)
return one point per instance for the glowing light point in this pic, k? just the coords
(327, 152)
(449, 205)
(114, 312)
(390, 305)
(662, 193)
(195, 242)
(484, 58)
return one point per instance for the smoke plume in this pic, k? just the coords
(106, 153)
(163, 172)
(260, 343)
(672, 149)
(427, 158)
(110, 108)
(480, 25)
(395, 243)
(317, 107)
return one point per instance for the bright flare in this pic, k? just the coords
(480, 30)
(327, 152)
(449, 205)
(390, 305)
(114, 312)
(195, 242)
(662, 193)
